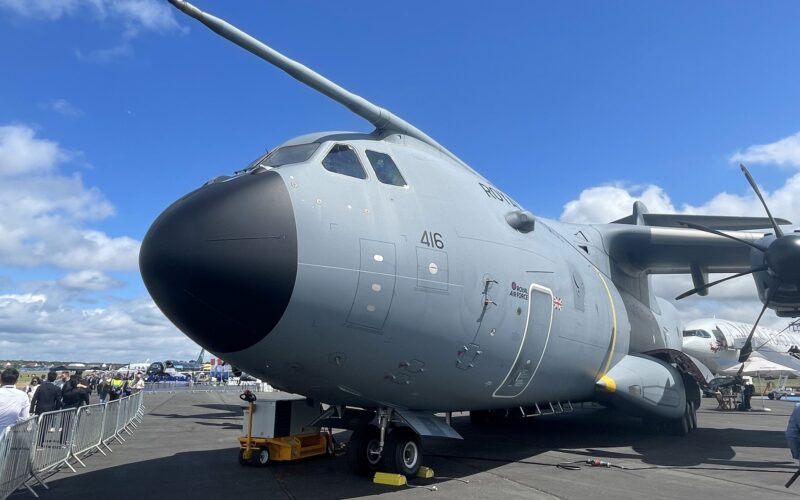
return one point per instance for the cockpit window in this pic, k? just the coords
(697, 333)
(289, 154)
(342, 159)
(385, 169)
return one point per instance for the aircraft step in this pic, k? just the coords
(547, 408)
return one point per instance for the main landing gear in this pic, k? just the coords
(680, 426)
(384, 448)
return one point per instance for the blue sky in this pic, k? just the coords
(573, 108)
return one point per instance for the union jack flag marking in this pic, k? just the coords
(558, 304)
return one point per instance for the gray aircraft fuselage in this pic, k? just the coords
(353, 291)
(424, 287)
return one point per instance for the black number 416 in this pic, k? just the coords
(432, 239)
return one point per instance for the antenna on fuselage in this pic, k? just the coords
(382, 119)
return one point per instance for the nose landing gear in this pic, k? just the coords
(384, 448)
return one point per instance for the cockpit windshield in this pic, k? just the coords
(697, 333)
(289, 154)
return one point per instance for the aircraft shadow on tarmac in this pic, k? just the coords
(541, 443)
(588, 434)
(225, 416)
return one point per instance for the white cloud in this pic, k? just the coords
(141, 15)
(136, 15)
(34, 326)
(43, 214)
(784, 152)
(602, 204)
(21, 152)
(107, 55)
(88, 280)
(46, 9)
(63, 107)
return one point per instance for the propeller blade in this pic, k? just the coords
(707, 229)
(778, 231)
(747, 348)
(709, 285)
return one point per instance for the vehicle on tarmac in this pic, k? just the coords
(780, 394)
(381, 275)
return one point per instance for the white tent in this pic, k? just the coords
(756, 365)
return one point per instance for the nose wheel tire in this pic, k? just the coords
(363, 450)
(403, 453)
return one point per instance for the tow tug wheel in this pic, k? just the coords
(260, 457)
(363, 450)
(402, 452)
(242, 461)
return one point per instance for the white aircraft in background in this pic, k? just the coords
(136, 367)
(717, 342)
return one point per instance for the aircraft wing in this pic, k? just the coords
(670, 250)
(720, 222)
(781, 358)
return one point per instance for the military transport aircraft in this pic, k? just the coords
(378, 273)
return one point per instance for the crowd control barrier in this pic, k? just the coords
(54, 440)
(43, 444)
(110, 423)
(88, 431)
(16, 445)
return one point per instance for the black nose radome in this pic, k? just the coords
(221, 262)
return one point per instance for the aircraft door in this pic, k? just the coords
(533, 344)
(376, 282)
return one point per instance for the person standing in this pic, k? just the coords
(747, 393)
(74, 394)
(14, 404)
(138, 386)
(793, 432)
(62, 379)
(102, 389)
(47, 397)
(115, 387)
(31, 389)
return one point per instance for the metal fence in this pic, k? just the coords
(88, 431)
(54, 440)
(181, 386)
(16, 444)
(110, 423)
(48, 442)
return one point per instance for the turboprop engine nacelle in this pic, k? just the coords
(778, 281)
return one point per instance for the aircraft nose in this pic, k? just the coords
(221, 262)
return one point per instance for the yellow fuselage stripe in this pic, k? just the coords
(613, 324)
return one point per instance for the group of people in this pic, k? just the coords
(738, 386)
(59, 391)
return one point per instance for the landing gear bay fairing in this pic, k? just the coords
(379, 274)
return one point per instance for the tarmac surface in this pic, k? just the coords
(187, 448)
